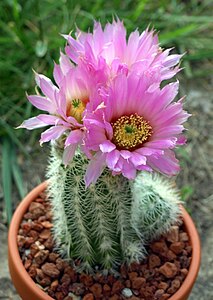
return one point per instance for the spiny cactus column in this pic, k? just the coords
(156, 205)
(109, 222)
(92, 224)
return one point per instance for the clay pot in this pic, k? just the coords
(27, 288)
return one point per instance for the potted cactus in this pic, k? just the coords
(113, 127)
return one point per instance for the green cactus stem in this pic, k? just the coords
(92, 224)
(156, 205)
(111, 221)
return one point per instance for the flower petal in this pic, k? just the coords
(107, 146)
(32, 123)
(95, 168)
(52, 133)
(166, 164)
(42, 103)
(46, 85)
(137, 159)
(74, 137)
(68, 153)
(112, 159)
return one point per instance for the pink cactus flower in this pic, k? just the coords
(64, 103)
(135, 128)
(109, 48)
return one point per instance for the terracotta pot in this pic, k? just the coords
(27, 288)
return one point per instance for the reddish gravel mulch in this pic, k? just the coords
(157, 277)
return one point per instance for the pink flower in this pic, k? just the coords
(108, 48)
(135, 128)
(64, 103)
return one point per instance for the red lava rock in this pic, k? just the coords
(28, 242)
(40, 200)
(111, 279)
(114, 297)
(134, 267)
(36, 210)
(45, 234)
(20, 240)
(159, 293)
(185, 262)
(48, 216)
(47, 224)
(154, 261)
(40, 273)
(50, 270)
(86, 279)
(106, 290)
(33, 249)
(53, 257)
(61, 264)
(96, 289)
(41, 256)
(46, 281)
(123, 271)
(134, 298)
(42, 218)
(163, 285)
(117, 287)
(32, 271)
(183, 236)
(37, 226)
(78, 289)
(88, 297)
(28, 216)
(132, 275)
(64, 288)
(170, 255)
(138, 282)
(184, 272)
(173, 235)
(177, 247)
(72, 273)
(27, 263)
(59, 296)
(169, 270)
(66, 279)
(54, 285)
(26, 226)
(189, 249)
(33, 234)
(165, 297)
(49, 243)
(35, 205)
(147, 292)
(174, 286)
(159, 247)
(128, 284)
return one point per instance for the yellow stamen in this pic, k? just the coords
(130, 132)
(75, 108)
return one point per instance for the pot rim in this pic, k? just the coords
(16, 266)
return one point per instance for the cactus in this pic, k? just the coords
(156, 205)
(109, 222)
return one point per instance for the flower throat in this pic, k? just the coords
(130, 132)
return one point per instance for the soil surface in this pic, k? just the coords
(158, 276)
(195, 181)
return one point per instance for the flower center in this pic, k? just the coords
(75, 108)
(130, 132)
